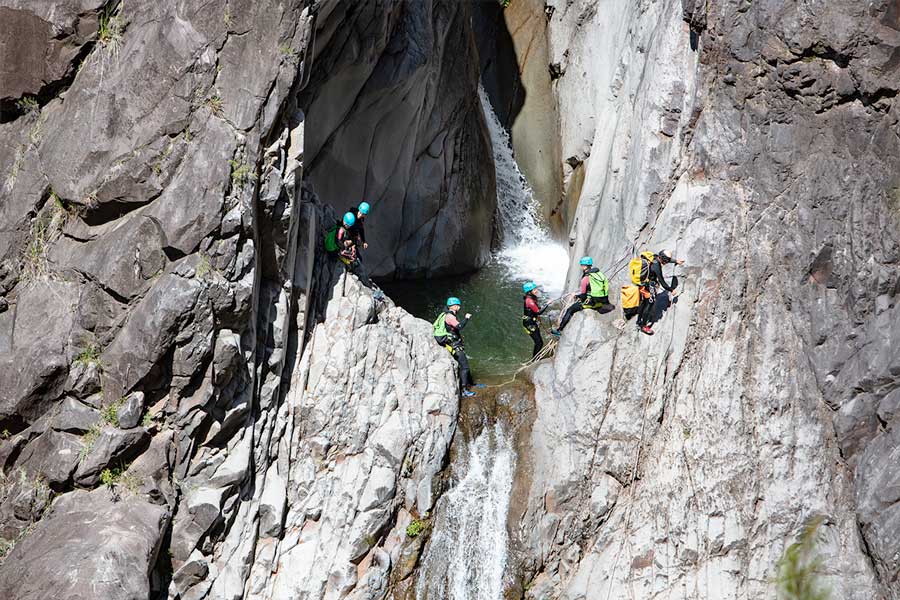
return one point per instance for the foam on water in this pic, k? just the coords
(527, 251)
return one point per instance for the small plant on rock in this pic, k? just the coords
(88, 440)
(28, 105)
(119, 478)
(109, 36)
(215, 105)
(90, 354)
(416, 528)
(800, 567)
(240, 174)
(290, 55)
(110, 414)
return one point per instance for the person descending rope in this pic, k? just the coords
(447, 328)
(646, 272)
(530, 315)
(594, 293)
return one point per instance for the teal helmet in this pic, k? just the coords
(529, 286)
(586, 261)
(453, 301)
(349, 219)
(364, 208)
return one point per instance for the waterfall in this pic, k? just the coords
(466, 556)
(527, 251)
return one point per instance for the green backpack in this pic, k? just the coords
(440, 326)
(599, 284)
(331, 244)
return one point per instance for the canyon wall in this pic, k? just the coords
(176, 420)
(393, 94)
(759, 142)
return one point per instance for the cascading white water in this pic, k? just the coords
(527, 250)
(466, 556)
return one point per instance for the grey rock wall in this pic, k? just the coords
(393, 94)
(759, 142)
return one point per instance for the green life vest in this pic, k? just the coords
(440, 327)
(599, 284)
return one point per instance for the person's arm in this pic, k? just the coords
(583, 289)
(656, 270)
(362, 232)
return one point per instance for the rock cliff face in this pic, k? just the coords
(760, 143)
(196, 404)
(166, 428)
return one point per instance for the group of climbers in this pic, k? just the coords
(347, 238)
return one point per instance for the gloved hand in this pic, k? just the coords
(468, 315)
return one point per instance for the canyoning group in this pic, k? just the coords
(642, 298)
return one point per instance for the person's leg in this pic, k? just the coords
(568, 315)
(538, 341)
(645, 309)
(465, 374)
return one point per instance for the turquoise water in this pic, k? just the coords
(495, 342)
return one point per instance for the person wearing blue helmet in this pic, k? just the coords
(593, 293)
(530, 314)
(358, 229)
(347, 252)
(447, 332)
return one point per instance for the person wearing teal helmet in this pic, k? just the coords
(530, 314)
(358, 229)
(447, 332)
(593, 293)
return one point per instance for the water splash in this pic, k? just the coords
(466, 557)
(527, 251)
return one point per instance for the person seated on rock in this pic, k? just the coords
(447, 333)
(651, 281)
(530, 315)
(593, 293)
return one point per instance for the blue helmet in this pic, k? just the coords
(586, 260)
(349, 219)
(364, 208)
(529, 286)
(453, 301)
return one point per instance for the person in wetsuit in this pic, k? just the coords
(530, 314)
(593, 293)
(447, 330)
(655, 280)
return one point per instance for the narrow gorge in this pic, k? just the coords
(198, 402)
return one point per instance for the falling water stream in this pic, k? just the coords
(495, 342)
(466, 557)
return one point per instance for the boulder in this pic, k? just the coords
(108, 547)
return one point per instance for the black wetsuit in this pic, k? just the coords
(530, 322)
(585, 300)
(655, 278)
(454, 343)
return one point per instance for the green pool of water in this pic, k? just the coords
(495, 342)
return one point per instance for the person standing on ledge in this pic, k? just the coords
(358, 229)
(530, 315)
(650, 278)
(447, 328)
(593, 293)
